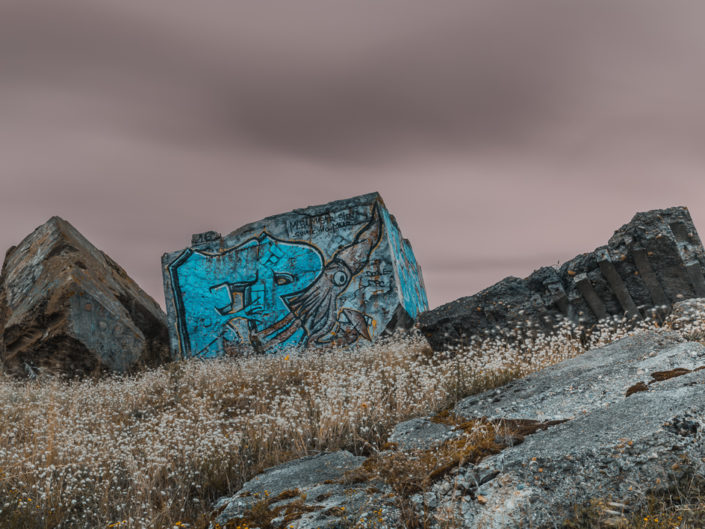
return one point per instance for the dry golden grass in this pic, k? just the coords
(156, 450)
(679, 506)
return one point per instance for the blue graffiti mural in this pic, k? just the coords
(270, 293)
(238, 295)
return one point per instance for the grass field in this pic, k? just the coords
(156, 449)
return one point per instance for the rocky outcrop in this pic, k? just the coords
(66, 307)
(615, 423)
(647, 265)
(612, 446)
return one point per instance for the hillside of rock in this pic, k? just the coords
(615, 423)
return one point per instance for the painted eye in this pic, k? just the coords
(340, 278)
(283, 279)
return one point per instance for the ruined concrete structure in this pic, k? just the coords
(649, 264)
(325, 275)
(66, 307)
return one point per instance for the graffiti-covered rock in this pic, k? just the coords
(66, 307)
(335, 274)
(654, 261)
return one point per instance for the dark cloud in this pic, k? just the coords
(355, 81)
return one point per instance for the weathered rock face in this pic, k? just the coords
(311, 491)
(612, 446)
(649, 264)
(67, 307)
(324, 275)
(615, 424)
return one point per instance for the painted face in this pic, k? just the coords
(229, 295)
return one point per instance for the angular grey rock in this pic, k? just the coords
(301, 473)
(644, 443)
(315, 483)
(611, 445)
(654, 261)
(593, 380)
(66, 307)
(421, 434)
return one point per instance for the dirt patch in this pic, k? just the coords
(660, 376)
(636, 388)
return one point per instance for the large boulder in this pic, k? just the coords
(66, 307)
(336, 274)
(654, 261)
(611, 425)
(634, 413)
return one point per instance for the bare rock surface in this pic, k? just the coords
(648, 441)
(593, 380)
(614, 443)
(307, 493)
(66, 307)
(649, 264)
(421, 434)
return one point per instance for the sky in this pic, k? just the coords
(503, 135)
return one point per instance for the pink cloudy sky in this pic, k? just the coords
(503, 135)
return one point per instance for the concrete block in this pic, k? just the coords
(334, 274)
